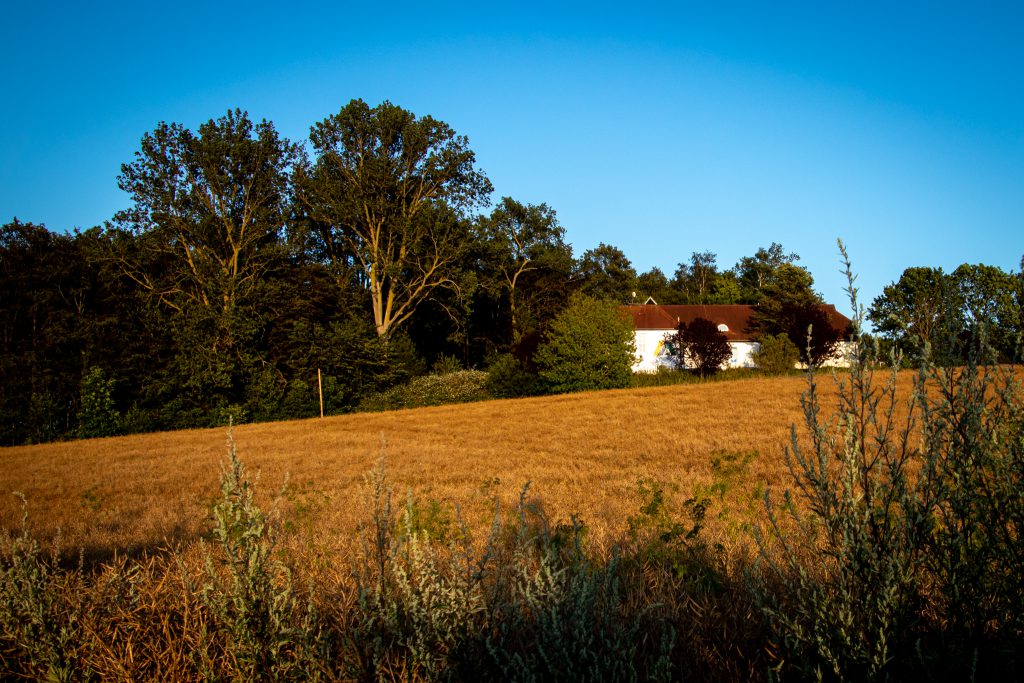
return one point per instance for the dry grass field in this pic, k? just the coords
(583, 454)
(346, 593)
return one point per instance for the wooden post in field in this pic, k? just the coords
(320, 388)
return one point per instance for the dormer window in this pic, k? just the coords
(722, 327)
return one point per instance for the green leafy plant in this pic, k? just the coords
(97, 414)
(461, 386)
(589, 346)
(34, 623)
(251, 592)
(508, 377)
(671, 539)
(776, 354)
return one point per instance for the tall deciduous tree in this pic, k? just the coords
(215, 202)
(791, 306)
(605, 273)
(911, 310)
(755, 273)
(696, 278)
(518, 237)
(391, 190)
(655, 285)
(986, 295)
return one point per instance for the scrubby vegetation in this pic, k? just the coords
(439, 388)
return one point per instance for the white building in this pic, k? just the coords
(654, 322)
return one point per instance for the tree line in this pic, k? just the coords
(246, 263)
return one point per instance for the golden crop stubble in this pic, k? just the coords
(583, 454)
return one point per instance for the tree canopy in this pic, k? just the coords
(929, 307)
(605, 273)
(246, 272)
(390, 191)
(589, 346)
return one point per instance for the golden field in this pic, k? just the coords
(583, 455)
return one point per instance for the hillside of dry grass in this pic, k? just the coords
(583, 454)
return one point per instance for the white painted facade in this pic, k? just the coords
(653, 323)
(651, 355)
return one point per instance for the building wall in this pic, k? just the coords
(650, 353)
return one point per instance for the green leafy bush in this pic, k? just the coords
(508, 377)
(97, 413)
(776, 354)
(589, 346)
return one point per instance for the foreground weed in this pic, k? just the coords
(563, 616)
(902, 558)
(848, 569)
(418, 601)
(38, 632)
(671, 540)
(251, 593)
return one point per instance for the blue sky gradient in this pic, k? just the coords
(660, 129)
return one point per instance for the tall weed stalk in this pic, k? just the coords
(267, 634)
(893, 555)
(39, 634)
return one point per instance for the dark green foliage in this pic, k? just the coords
(605, 273)
(776, 354)
(790, 306)
(809, 328)
(520, 247)
(913, 309)
(589, 346)
(699, 345)
(697, 280)
(671, 540)
(758, 274)
(461, 386)
(97, 415)
(214, 203)
(653, 284)
(42, 290)
(508, 377)
(387, 197)
(929, 307)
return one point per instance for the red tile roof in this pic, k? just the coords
(735, 316)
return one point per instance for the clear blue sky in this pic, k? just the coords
(660, 129)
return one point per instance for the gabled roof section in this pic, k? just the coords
(665, 318)
(736, 317)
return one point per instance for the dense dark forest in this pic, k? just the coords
(246, 266)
